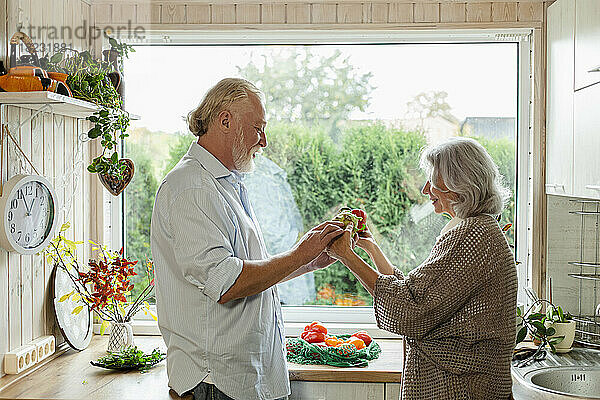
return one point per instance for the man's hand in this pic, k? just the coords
(314, 242)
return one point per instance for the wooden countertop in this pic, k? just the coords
(71, 376)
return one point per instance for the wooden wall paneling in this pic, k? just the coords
(59, 186)
(222, 13)
(427, 12)
(530, 11)
(48, 127)
(247, 14)
(479, 12)
(298, 13)
(4, 284)
(77, 204)
(349, 13)
(323, 13)
(37, 158)
(35, 19)
(85, 192)
(26, 260)
(96, 198)
(14, 259)
(67, 33)
(103, 13)
(173, 13)
(149, 12)
(4, 275)
(67, 173)
(273, 13)
(453, 12)
(86, 15)
(123, 12)
(380, 13)
(197, 14)
(367, 13)
(504, 12)
(401, 12)
(78, 24)
(538, 256)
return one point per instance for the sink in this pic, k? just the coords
(575, 382)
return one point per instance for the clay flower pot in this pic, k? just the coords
(566, 329)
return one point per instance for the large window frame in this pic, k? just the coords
(344, 318)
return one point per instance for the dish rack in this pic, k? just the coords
(587, 330)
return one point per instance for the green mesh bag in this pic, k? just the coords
(299, 351)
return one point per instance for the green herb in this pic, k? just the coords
(130, 358)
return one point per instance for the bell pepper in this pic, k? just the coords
(362, 223)
(358, 343)
(333, 341)
(316, 326)
(364, 336)
(313, 336)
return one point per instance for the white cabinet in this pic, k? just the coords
(302, 390)
(572, 99)
(586, 173)
(559, 98)
(587, 43)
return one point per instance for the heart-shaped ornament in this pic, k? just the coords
(116, 186)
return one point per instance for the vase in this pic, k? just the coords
(566, 329)
(121, 336)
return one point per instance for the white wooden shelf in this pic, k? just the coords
(62, 105)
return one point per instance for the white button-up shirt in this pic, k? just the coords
(199, 236)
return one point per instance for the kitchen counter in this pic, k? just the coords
(71, 376)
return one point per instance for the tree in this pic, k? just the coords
(139, 197)
(429, 105)
(312, 89)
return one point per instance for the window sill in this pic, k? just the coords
(292, 329)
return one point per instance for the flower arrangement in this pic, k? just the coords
(105, 285)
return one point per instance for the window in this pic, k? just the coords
(346, 124)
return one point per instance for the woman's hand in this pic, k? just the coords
(341, 248)
(365, 240)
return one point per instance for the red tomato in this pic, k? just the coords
(364, 336)
(363, 218)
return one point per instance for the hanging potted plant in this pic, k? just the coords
(90, 80)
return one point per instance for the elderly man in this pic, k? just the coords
(218, 307)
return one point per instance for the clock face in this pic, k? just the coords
(30, 214)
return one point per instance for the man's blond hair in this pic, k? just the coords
(217, 99)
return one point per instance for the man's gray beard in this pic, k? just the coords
(242, 161)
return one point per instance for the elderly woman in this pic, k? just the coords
(456, 311)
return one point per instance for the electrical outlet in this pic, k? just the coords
(45, 346)
(20, 359)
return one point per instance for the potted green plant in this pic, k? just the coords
(563, 325)
(90, 79)
(547, 329)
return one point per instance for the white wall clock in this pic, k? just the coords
(29, 214)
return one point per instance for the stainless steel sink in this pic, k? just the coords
(572, 382)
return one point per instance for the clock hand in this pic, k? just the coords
(27, 208)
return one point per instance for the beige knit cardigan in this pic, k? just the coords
(457, 314)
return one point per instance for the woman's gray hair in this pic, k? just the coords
(217, 99)
(466, 169)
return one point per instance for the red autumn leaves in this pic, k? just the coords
(110, 279)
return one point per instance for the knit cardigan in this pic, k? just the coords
(457, 313)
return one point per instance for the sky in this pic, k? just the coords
(163, 83)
